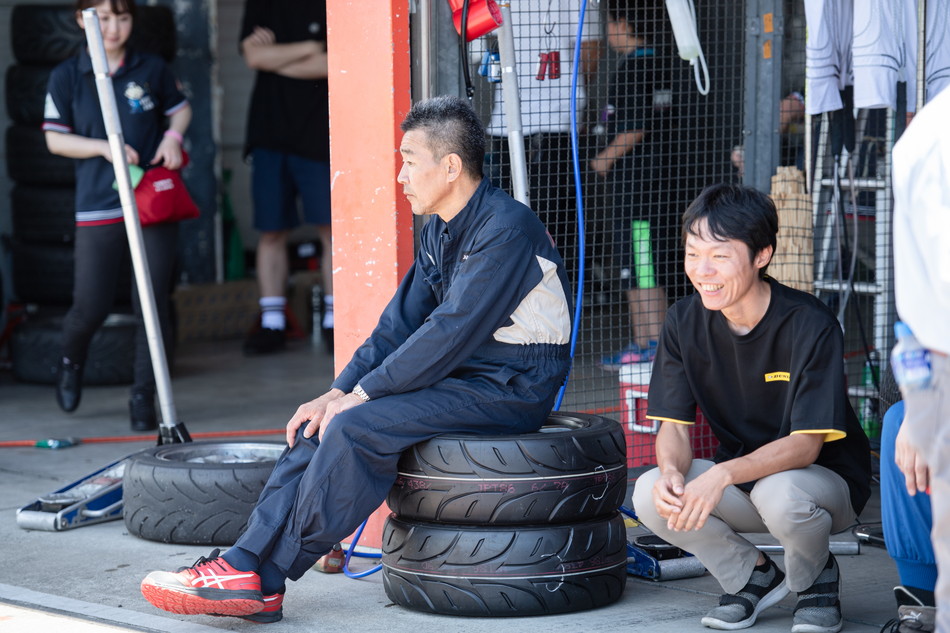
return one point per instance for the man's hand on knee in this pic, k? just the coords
(339, 405)
(700, 498)
(312, 413)
(667, 493)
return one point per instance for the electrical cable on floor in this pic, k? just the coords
(578, 189)
(351, 552)
(143, 438)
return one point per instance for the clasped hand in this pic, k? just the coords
(318, 413)
(687, 506)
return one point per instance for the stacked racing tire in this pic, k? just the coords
(510, 525)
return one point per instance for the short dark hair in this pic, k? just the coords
(118, 6)
(643, 16)
(734, 212)
(451, 127)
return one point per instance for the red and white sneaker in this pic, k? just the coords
(209, 587)
(273, 610)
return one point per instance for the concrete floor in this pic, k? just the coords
(88, 578)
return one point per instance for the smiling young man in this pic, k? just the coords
(474, 341)
(764, 364)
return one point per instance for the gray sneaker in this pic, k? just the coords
(739, 610)
(912, 618)
(818, 609)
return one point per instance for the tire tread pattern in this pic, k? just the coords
(519, 571)
(575, 469)
(36, 348)
(191, 503)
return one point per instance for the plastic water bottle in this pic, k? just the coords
(58, 442)
(910, 360)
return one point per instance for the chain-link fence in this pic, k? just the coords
(648, 142)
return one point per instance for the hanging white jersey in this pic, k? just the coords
(885, 49)
(540, 28)
(937, 61)
(827, 53)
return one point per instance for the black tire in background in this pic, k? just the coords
(44, 34)
(44, 215)
(197, 493)
(28, 160)
(494, 571)
(43, 274)
(26, 93)
(154, 31)
(48, 34)
(36, 348)
(573, 469)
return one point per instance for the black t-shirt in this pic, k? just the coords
(642, 95)
(643, 98)
(785, 376)
(289, 115)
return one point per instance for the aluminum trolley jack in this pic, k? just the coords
(92, 499)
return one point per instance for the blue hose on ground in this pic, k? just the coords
(351, 552)
(581, 256)
(581, 238)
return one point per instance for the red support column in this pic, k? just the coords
(369, 79)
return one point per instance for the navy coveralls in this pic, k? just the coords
(475, 340)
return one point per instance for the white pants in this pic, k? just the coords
(927, 417)
(801, 508)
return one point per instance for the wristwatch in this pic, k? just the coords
(360, 393)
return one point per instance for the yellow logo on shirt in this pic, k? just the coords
(777, 376)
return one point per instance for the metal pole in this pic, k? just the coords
(171, 431)
(425, 45)
(808, 145)
(509, 87)
(921, 53)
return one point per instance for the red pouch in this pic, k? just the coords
(161, 196)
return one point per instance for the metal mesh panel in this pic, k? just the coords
(632, 208)
(836, 246)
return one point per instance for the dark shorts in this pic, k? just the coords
(646, 231)
(278, 180)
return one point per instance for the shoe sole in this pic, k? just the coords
(815, 628)
(770, 599)
(264, 617)
(185, 602)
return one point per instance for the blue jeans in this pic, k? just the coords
(907, 520)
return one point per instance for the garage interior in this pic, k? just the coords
(844, 258)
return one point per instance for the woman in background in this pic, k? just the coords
(148, 99)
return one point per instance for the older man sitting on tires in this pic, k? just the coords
(475, 340)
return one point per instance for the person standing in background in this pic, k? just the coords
(148, 99)
(922, 290)
(635, 166)
(288, 142)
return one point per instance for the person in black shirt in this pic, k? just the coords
(288, 141)
(635, 169)
(764, 364)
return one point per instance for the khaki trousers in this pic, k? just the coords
(801, 508)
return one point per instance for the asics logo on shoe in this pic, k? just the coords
(211, 579)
